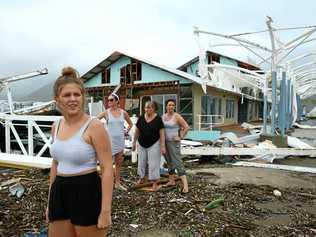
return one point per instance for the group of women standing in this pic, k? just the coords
(79, 199)
(158, 136)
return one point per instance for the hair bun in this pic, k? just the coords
(70, 72)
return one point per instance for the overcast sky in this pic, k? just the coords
(55, 33)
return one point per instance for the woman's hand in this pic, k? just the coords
(46, 214)
(133, 146)
(104, 220)
(177, 138)
(163, 149)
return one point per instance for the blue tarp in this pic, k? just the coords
(205, 136)
(43, 233)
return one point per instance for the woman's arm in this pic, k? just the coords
(102, 115)
(53, 171)
(135, 138)
(101, 143)
(162, 141)
(128, 120)
(53, 168)
(184, 127)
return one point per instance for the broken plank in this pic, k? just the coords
(274, 166)
(246, 151)
(24, 162)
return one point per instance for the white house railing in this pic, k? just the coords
(213, 118)
(11, 122)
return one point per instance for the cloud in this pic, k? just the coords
(56, 33)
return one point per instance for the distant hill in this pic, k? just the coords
(30, 91)
(44, 93)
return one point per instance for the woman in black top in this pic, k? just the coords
(151, 139)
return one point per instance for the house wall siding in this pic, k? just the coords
(149, 74)
(94, 81)
(116, 69)
(152, 74)
(115, 73)
(227, 61)
(193, 68)
(197, 95)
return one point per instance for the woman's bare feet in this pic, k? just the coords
(172, 181)
(185, 185)
(141, 181)
(169, 184)
(156, 186)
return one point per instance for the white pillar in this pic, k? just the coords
(7, 136)
(30, 137)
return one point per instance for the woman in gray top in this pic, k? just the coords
(115, 118)
(175, 130)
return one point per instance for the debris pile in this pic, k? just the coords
(207, 210)
(23, 199)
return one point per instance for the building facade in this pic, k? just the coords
(137, 81)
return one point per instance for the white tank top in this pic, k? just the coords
(73, 155)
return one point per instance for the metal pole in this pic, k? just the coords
(265, 107)
(282, 112)
(299, 107)
(273, 109)
(291, 104)
(10, 101)
(273, 74)
(288, 102)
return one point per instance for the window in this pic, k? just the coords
(106, 76)
(219, 106)
(136, 68)
(211, 105)
(130, 72)
(213, 58)
(230, 108)
(250, 111)
(125, 75)
(186, 104)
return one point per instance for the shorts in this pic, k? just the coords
(76, 198)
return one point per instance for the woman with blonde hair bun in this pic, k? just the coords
(79, 200)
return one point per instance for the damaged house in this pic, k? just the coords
(137, 80)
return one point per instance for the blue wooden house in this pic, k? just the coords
(137, 81)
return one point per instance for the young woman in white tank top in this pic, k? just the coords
(115, 118)
(78, 141)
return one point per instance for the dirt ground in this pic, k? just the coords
(250, 208)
